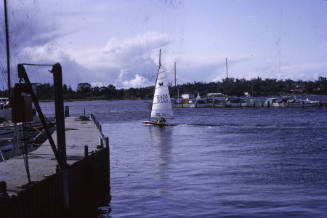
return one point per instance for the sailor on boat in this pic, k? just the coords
(161, 120)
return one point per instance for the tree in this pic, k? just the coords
(84, 89)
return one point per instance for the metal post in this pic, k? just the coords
(86, 151)
(60, 125)
(66, 111)
(59, 109)
(17, 141)
(7, 46)
(226, 69)
(27, 168)
(1, 155)
(175, 78)
(65, 187)
(106, 139)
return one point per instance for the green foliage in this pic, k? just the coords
(229, 86)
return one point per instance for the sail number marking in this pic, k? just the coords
(162, 98)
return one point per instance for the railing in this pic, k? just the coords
(103, 139)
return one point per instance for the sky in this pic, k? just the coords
(115, 42)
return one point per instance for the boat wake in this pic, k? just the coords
(199, 124)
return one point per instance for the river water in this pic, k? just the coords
(222, 162)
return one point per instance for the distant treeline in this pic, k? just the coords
(229, 86)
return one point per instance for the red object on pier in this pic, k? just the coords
(21, 109)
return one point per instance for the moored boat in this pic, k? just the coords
(310, 103)
(299, 103)
(188, 101)
(5, 110)
(217, 100)
(234, 101)
(202, 103)
(275, 102)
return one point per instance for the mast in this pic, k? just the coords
(7, 46)
(226, 69)
(159, 59)
(159, 66)
(175, 77)
(156, 81)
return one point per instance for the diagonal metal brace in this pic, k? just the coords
(23, 75)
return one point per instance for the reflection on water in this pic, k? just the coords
(161, 141)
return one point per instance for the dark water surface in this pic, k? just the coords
(258, 162)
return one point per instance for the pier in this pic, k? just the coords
(44, 190)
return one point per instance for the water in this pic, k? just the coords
(264, 162)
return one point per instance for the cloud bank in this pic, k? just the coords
(123, 50)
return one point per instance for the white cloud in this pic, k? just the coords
(138, 44)
(124, 63)
(125, 53)
(137, 82)
(305, 71)
(206, 67)
(50, 53)
(98, 84)
(46, 52)
(305, 67)
(121, 59)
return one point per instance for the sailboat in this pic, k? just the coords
(161, 104)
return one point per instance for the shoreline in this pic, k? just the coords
(92, 99)
(105, 99)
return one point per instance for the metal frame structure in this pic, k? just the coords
(60, 150)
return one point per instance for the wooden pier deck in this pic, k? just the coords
(42, 162)
(85, 173)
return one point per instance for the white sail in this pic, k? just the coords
(161, 105)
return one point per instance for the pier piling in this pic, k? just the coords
(66, 111)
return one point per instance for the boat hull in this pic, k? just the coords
(188, 105)
(202, 105)
(219, 105)
(233, 105)
(158, 124)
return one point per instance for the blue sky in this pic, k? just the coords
(117, 42)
